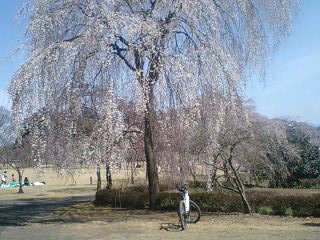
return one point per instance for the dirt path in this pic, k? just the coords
(68, 213)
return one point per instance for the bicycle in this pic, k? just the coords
(188, 210)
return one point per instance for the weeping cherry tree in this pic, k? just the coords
(158, 54)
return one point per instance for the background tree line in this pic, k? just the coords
(282, 152)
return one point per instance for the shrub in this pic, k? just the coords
(299, 206)
(168, 204)
(279, 209)
(309, 183)
(307, 206)
(133, 197)
(166, 187)
(264, 203)
(266, 210)
(198, 184)
(168, 201)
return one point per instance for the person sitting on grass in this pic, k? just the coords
(12, 179)
(26, 182)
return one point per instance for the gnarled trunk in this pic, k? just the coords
(152, 173)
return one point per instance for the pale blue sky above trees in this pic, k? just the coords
(293, 74)
(292, 82)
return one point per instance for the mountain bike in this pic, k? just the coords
(188, 210)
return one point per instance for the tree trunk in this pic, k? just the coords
(193, 174)
(214, 177)
(153, 179)
(194, 178)
(98, 177)
(241, 189)
(132, 174)
(245, 203)
(236, 181)
(108, 177)
(20, 181)
(152, 173)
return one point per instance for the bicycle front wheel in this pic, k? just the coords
(194, 212)
(182, 215)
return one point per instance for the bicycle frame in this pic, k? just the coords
(184, 196)
(188, 211)
(186, 200)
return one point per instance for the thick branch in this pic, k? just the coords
(119, 54)
(226, 187)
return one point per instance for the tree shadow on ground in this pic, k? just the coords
(311, 224)
(79, 209)
(71, 190)
(21, 213)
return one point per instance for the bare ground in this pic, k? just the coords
(68, 213)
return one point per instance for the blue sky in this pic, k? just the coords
(292, 83)
(10, 34)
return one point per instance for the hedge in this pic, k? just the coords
(263, 203)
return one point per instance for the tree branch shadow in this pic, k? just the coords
(170, 227)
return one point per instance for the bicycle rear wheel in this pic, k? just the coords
(194, 212)
(182, 215)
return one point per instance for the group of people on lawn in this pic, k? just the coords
(12, 181)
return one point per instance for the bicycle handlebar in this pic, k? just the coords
(183, 188)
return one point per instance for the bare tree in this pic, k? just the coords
(15, 153)
(250, 146)
(226, 150)
(158, 54)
